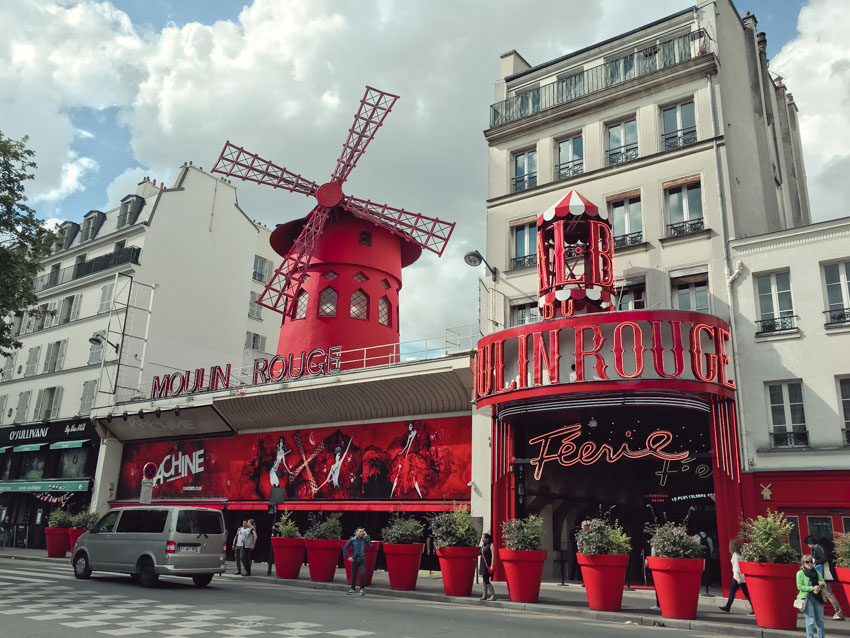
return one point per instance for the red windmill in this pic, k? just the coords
(341, 273)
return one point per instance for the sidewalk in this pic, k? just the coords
(569, 600)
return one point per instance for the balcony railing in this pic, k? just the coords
(635, 65)
(686, 227)
(621, 241)
(679, 139)
(623, 154)
(846, 434)
(789, 439)
(565, 170)
(776, 324)
(129, 255)
(524, 182)
(524, 262)
(836, 316)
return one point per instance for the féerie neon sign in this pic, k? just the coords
(589, 452)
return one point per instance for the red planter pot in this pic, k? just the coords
(57, 541)
(322, 557)
(403, 564)
(842, 583)
(523, 571)
(773, 588)
(604, 578)
(288, 556)
(457, 565)
(371, 557)
(73, 535)
(677, 582)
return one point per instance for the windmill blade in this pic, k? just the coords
(235, 161)
(429, 232)
(281, 293)
(374, 108)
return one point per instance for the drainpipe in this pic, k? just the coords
(727, 266)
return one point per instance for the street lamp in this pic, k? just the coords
(474, 258)
(98, 339)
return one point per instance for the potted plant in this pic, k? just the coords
(288, 547)
(769, 563)
(523, 557)
(402, 542)
(677, 565)
(80, 524)
(456, 540)
(603, 554)
(322, 540)
(842, 561)
(58, 524)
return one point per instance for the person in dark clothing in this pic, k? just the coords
(822, 554)
(485, 566)
(358, 544)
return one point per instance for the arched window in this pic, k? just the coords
(301, 305)
(384, 311)
(327, 302)
(359, 305)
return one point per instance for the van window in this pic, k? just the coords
(197, 522)
(107, 523)
(142, 520)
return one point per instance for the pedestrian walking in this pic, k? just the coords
(485, 566)
(355, 551)
(738, 580)
(4, 531)
(822, 554)
(243, 542)
(810, 585)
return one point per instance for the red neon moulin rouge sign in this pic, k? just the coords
(570, 453)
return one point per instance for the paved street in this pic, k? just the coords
(45, 600)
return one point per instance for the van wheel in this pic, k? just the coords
(147, 574)
(202, 581)
(82, 570)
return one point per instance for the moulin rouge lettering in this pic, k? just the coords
(589, 452)
(177, 466)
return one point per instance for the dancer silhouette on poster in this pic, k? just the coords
(280, 459)
(333, 473)
(408, 465)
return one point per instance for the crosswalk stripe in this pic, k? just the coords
(27, 572)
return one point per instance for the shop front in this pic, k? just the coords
(44, 467)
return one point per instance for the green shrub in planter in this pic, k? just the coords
(59, 518)
(523, 533)
(454, 529)
(286, 527)
(842, 550)
(671, 540)
(84, 520)
(766, 539)
(327, 529)
(403, 531)
(603, 537)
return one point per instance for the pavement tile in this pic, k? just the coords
(182, 631)
(19, 610)
(237, 631)
(139, 623)
(195, 624)
(155, 617)
(297, 632)
(251, 618)
(352, 633)
(299, 625)
(124, 631)
(84, 623)
(50, 617)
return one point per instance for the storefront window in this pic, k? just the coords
(32, 467)
(73, 463)
(5, 465)
(820, 526)
(794, 536)
(845, 521)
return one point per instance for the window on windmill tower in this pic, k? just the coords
(384, 312)
(385, 284)
(327, 302)
(365, 238)
(330, 275)
(301, 305)
(359, 307)
(360, 277)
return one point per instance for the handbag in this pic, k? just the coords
(799, 604)
(827, 572)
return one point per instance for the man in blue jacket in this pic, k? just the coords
(358, 544)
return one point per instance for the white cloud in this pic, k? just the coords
(816, 68)
(71, 179)
(123, 185)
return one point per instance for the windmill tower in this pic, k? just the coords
(339, 281)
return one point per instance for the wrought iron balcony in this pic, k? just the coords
(789, 439)
(776, 324)
(524, 182)
(129, 255)
(623, 154)
(565, 170)
(686, 227)
(621, 241)
(679, 139)
(524, 262)
(835, 316)
(646, 62)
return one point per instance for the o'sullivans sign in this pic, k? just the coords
(654, 349)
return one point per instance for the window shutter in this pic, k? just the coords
(30, 323)
(262, 344)
(60, 358)
(57, 402)
(23, 407)
(75, 307)
(268, 271)
(248, 340)
(50, 348)
(32, 361)
(105, 298)
(2, 408)
(87, 399)
(36, 416)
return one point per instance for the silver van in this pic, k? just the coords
(149, 542)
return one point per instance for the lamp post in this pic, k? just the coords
(474, 258)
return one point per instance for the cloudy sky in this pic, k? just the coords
(111, 92)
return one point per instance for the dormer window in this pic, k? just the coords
(86, 230)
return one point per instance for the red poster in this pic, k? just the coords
(399, 460)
